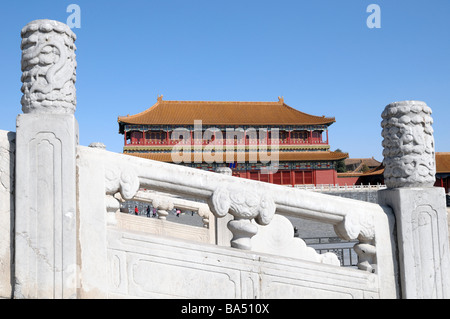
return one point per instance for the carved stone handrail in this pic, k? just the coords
(246, 200)
(421, 216)
(156, 199)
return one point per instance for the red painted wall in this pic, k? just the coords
(350, 180)
(288, 177)
(325, 176)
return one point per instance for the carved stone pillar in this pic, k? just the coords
(112, 197)
(223, 234)
(47, 137)
(162, 205)
(7, 160)
(243, 231)
(244, 204)
(419, 207)
(408, 143)
(203, 212)
(120, 185)
(48, 68)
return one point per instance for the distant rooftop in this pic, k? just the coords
(442, 166)
(356, 165)
(282, 156)
(223, 113)
(442, 162)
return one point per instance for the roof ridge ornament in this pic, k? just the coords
(281, 99)
(159, 98)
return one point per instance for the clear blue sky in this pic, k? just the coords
(319, 54)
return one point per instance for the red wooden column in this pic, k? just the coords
(292, 177)
(289, 137)
(328, 142)
(167, 137)
(125, 137)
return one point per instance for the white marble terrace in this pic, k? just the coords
(62, 234)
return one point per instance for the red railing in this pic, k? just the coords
(165, 142)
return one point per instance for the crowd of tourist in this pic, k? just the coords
(152, 211)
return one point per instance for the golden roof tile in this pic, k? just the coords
(442, 162)
(223, 113)
(282, 156)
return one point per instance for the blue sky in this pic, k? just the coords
(318, 54)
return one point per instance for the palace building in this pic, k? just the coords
(239, 135)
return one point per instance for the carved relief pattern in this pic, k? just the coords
(163, 204)
(48, 68)
(242, 203)
(408, 143)
(129, 184)
(427, 257)
(125, 181)
(362, 227)
(356, 226)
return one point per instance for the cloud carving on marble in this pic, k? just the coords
(126, 181)
(48, 68)
(409, 155)
(356, 226)
(242, 203)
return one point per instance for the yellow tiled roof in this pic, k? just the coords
(223, 113)
(282, 156)
(442, 162)
(442, 165)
